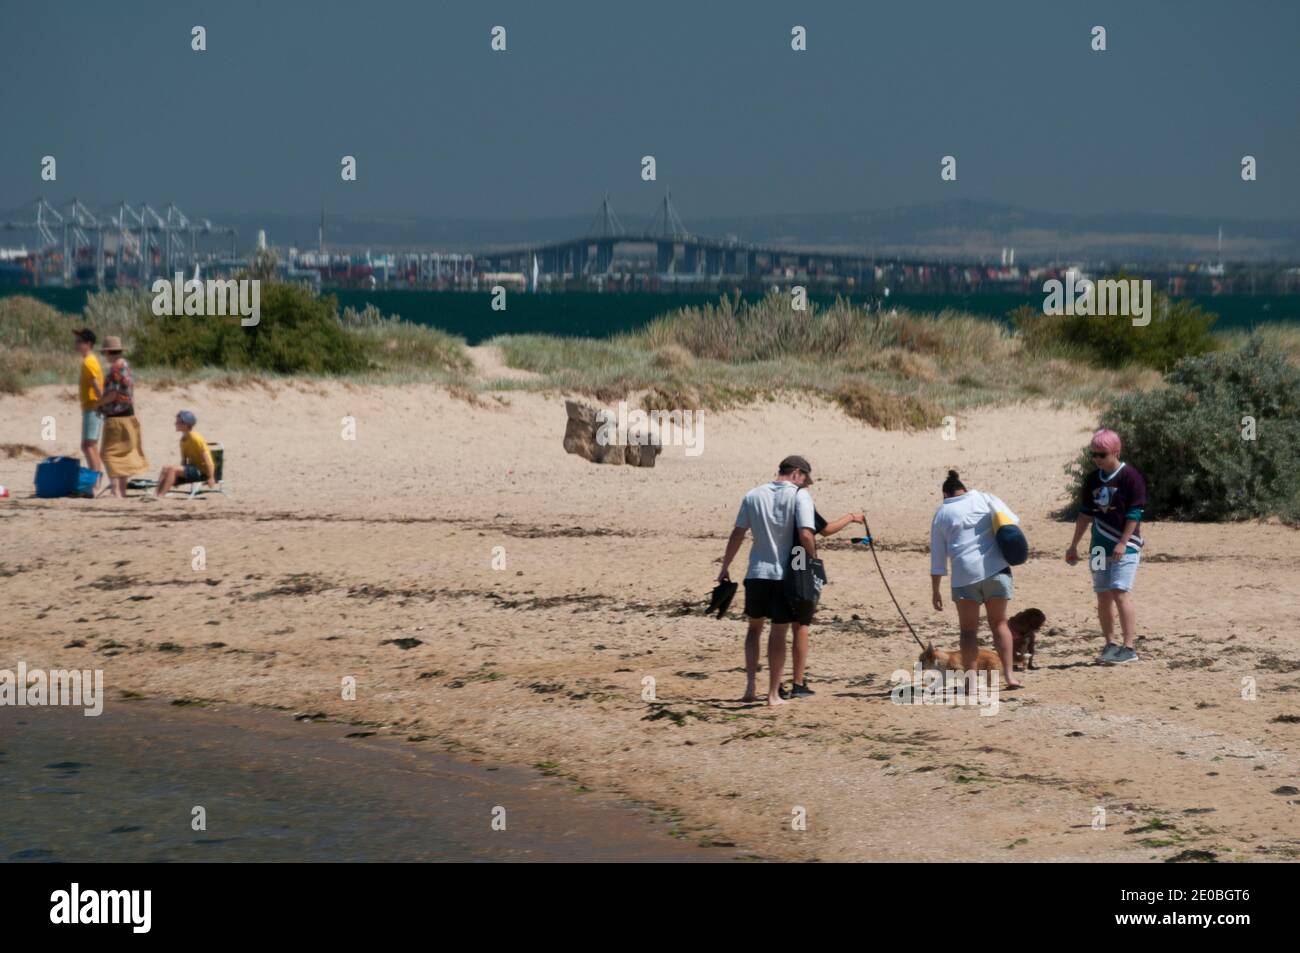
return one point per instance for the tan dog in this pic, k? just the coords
(1024, 625)
(932, 658)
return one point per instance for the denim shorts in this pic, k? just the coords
(1118, 574)
(91, 426)
(996, 586)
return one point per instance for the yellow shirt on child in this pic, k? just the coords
(194, 451)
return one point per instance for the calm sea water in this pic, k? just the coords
(123, 787)
(588, 314)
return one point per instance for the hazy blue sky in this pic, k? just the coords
(737, 121)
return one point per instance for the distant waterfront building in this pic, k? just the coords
(508, 279)
(393, 270)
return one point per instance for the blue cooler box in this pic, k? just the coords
(62, 476)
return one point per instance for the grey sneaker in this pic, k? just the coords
(1125, 654)
(1109, 652)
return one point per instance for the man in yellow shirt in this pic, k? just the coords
(90, 388)
(196, 458)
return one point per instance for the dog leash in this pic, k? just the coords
(869, 539)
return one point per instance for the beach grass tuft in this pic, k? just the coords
(895, 370)
(891, 369)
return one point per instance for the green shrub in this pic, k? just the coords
(299, 332)
(1178, 329)
(1187, 438)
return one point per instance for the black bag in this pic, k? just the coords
(804, 577)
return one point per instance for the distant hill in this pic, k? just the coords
(955, 230)
(966, 230)
(959, 230)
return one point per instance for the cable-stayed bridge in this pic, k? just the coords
(670, 249)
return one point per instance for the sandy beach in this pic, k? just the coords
(374, 558)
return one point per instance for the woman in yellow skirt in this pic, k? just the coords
(123, 447)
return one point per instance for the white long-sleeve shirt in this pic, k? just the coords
(962, 531)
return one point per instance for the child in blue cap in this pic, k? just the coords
(196, 459)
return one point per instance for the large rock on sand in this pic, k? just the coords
(584, 413)
(584, 423)
(641, 455)
(581, 439)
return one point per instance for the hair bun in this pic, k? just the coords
(952, 475)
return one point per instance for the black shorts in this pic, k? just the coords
(192, 474)
(765, 599)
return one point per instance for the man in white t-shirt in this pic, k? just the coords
(776, 512)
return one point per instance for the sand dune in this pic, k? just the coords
(373, 558)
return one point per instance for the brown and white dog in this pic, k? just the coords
(1024, 626)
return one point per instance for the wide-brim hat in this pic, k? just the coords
(111, 345)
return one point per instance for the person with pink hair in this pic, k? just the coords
(1114, 495)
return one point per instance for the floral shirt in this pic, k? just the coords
(119, 390)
